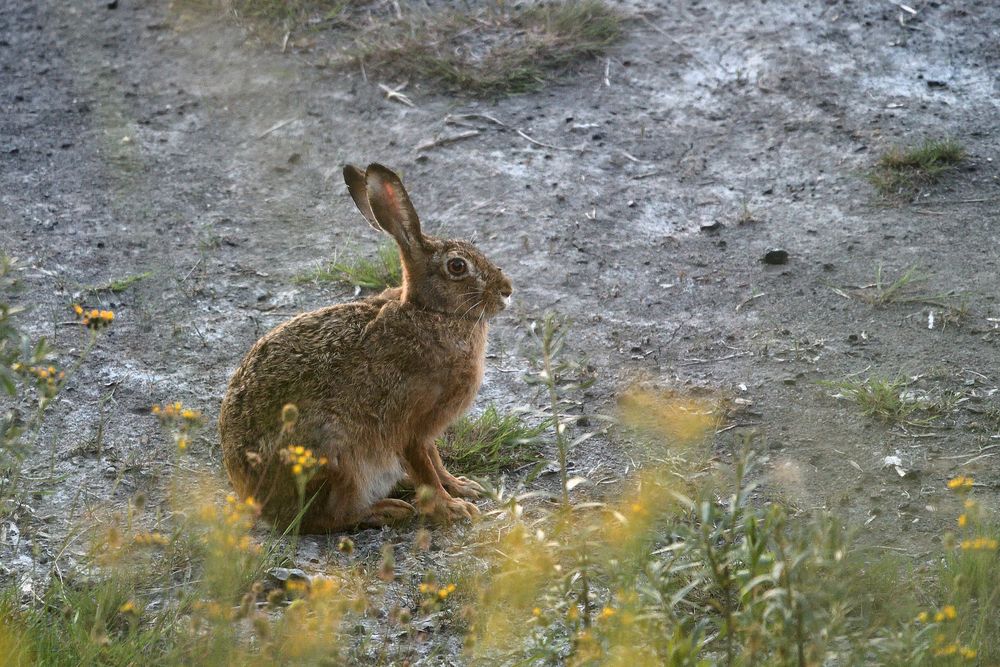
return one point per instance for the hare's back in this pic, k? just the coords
(297, 358)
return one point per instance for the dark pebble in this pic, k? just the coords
(775, 256)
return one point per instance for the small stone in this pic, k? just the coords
(711, 226)
(775, 256)
(285, 574)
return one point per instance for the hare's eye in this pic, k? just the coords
(457, 266)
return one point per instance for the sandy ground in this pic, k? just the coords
(138, 139)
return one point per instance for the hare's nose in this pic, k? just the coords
(506, 290)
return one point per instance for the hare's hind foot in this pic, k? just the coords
(381, 513)
(388, 511)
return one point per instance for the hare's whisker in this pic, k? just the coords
(475, 305)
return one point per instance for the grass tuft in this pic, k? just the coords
(888, 400)
(901, 172)
(492, 53)
(490, 443)
(884, 292)
(381, 272)
(119, 285)
(274, 20)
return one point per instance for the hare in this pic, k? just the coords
(375, 382)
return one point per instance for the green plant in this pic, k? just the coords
(119, 285)
(490, 443)
(385, 270)
(878, 396)
(559, 377)
(901, 172)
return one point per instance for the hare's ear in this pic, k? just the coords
(355, 180)
(392, 209)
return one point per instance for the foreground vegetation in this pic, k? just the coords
(689, 564)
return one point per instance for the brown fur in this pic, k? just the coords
(375, 381)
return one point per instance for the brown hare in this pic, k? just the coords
(375, 382)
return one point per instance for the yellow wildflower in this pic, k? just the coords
(962, 520)
(960, 483)
(922, 617)
(607, 612)
(950, 649)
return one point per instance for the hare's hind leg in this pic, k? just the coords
(357, 489)
(423, 472)
(460, 487)
(384, 512)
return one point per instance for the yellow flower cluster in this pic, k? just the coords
(301, 460)
(435, 592)
(150, 539)
(980, 544)
(946, 613)
(960, 483)
(172, 412)
(93, 318)
(48, 378)
(182, 420)
(955, 649)
(943, 648)
(211, 611)
(227, 534)
(236, 509)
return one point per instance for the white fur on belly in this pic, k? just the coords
(376, 479)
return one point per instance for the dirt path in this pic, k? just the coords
(136, 140)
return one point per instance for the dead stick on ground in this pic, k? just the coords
(695, 362)
(737, 425)
(750, 299)
(276, 126)
(672, 40)
(962, 456)
(496, 121)
(545, 145)
(441, 141)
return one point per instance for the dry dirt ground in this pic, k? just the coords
(140, 140)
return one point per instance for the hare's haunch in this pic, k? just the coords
(374, 383)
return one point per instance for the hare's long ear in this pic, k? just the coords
(355, 179)
(393, 211)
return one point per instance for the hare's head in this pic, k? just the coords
(441, 275)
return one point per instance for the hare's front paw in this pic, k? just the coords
(459, 509)
(463, 487)
(447, 509)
